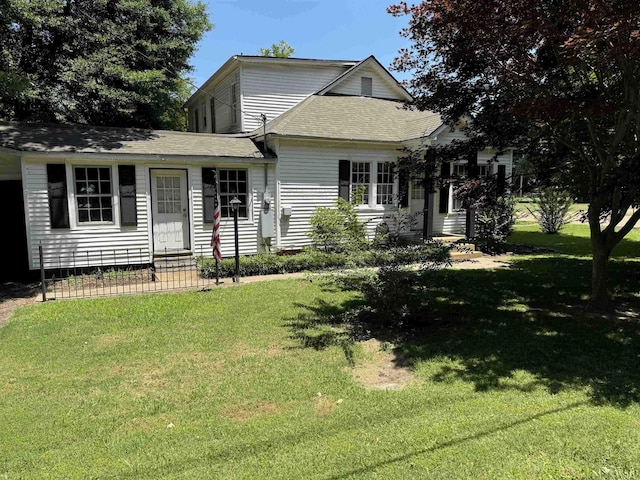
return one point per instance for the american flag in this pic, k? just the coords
(215, 236)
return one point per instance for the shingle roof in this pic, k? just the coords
(87, 139)
(354, 118)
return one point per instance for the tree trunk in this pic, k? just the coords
(601, 250)
(600, 299)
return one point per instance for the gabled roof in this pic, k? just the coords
(353, 118)
(370, 61)
(27, 137)
(236, 60)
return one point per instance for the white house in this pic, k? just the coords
(284, 135)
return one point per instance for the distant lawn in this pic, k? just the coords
(257, 382)
(573, 239)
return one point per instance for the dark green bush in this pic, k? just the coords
(310, 260)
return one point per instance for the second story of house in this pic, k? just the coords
(246, 88)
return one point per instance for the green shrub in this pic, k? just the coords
(393, 297)
(494, 223)
(337, 229)
(552, 209)
(310, 260)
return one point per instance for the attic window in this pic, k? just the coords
(367, 87)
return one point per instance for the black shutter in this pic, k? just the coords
(403, 183)
(58, 203)
(209, 185)
(443, 206)
(128, 207)
(502, 178)
(472, 165)
(344, 180)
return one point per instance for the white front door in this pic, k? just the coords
(170, 210)
(416, 204)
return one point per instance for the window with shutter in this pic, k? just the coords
(94, 197)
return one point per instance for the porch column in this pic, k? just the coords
(472, 169)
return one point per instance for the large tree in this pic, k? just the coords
(558, 78)
(101, 62)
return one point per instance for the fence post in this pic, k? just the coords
(42, 278)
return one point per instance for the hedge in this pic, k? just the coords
(310, 260)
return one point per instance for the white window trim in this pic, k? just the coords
(373, 186)
(74, 223)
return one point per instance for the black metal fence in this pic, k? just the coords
(116, 272)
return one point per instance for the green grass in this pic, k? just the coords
(224, 384)
(573, 239)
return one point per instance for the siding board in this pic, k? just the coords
(309, 179)
(272, 90)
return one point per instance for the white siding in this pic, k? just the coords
(249, 238)
(351, 85)
(309, 179)
(222, 94)
(10, 168)
(272, 90)
(223, 102)
(82, 244)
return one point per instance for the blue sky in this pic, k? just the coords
(327, 29)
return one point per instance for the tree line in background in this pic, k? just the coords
(557, 80)
(99, 62)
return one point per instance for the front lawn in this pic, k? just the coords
(573, 239)
(259, 381)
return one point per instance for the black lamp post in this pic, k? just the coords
(235, 205)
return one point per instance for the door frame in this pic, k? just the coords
(188, 237)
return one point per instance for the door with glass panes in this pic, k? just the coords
(170, 210)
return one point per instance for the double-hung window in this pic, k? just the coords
(233, 183)
(384, 186)
(367, 183)
(360, 180)
(93, 194)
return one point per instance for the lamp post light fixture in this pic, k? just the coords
(235, 205)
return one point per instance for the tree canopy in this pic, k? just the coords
(281, 50)
(100, 62)
(557, 78)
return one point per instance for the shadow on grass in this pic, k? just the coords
(530, 317)
(322, 325)
(573, 240)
